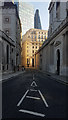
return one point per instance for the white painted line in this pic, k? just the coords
(36, 98)
(43, 98)
(33, 90)
(22, 98)
(31, 112)
(33, 84)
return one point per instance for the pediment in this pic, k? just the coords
(57, 43)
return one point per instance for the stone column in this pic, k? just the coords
(65, 49)
(65, 54)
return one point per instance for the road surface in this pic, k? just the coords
(33, 95)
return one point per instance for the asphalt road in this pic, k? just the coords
(33, 95)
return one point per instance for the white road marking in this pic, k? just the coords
(22, 98)
(33, 84)
(43, 98)
(31, 112)
(33, 90)
(36, 98)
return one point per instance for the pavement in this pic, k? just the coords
(7, 75)
(59, 78)
(33, 95)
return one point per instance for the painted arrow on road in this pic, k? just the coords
(33, 84)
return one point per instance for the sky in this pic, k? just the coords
(42, 5)
(43, 12)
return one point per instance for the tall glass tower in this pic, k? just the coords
(26, 13)
(37, 21)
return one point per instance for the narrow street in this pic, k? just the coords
(32, 94)
(33, 59)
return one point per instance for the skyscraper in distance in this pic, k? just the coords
(37, 21)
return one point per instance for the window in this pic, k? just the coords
(32, 51)
(3, 67)
(35, 37)
(36, 47)
(44, 37)
(27, 46)
(32, 43)
(27, 51)
(33, 47)
(32, 37)
(32, 33)
(28, 36)
(51, 29)
(57, 10)
(7, 31)
(28, 61)
(12, 62)
(12, 49)
(7, 55)
(57, 5)
(67, 13)
(7, 20)
(39, 37)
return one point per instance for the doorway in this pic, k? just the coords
(32, 62)
(7, 55)
(28, 62)
(58, 62)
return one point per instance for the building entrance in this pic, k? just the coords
(58, 62)
(28, 62)
(32, 62)
(7, 55)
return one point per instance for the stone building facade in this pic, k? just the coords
(57, 13)
(7, 54)
(52, 56)
(11, 27)
(32, 41)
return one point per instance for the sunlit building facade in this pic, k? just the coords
(26, 13)
(32, 41)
